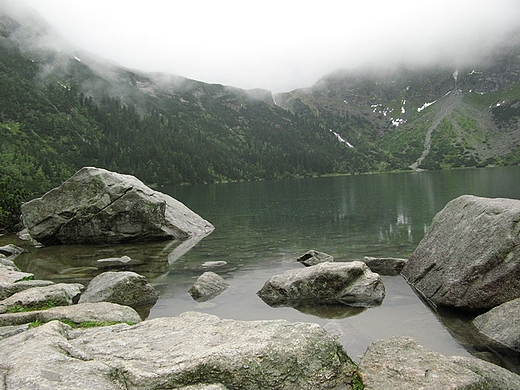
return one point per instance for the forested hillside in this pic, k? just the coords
(62, 109)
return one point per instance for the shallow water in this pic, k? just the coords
(262, 227)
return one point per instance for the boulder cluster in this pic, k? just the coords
(67, 335)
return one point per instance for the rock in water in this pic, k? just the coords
(401, 363)
(349, 283)
(99, 206)
(207, 286)
(168, 353)
(124, 288)
(502, 324)
(313, 257)
(470, 257)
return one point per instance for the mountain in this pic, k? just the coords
(62, 108)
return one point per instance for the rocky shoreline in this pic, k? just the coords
(96, 336)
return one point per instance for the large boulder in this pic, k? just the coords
(168, 353)
(470, 257)
(207, 286)
(401, 363)
(98, 206)
(351, 283)
(502, 324)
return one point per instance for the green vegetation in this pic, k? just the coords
(58, 114)
(18, 308)
(83, 325)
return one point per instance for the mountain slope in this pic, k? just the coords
(61, 109)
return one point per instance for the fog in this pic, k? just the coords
(280, 45)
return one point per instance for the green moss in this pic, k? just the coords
(94, 324)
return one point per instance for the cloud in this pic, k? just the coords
(280, 45)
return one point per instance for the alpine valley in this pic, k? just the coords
(62, 109)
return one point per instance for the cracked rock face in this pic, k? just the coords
(470, 257)
(98, 206)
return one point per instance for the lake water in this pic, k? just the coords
(262, 227)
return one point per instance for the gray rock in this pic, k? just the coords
(351, 283)
(11, 251)
(117, 262)
(390, 266)
(8, 264)
(401, 363)
(313, 257)
(203, 387)
(495, 377)
(207, 286)
(8, 331)
(187, 350)
(125, 288)
(80, 313)
(62, 294)
(470, 257)
(502, 324)
(11, 276)
(8, 289)
(218, 263)
(98, 206)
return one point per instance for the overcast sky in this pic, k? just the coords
(279, 45)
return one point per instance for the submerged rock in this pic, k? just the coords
(313, 257)
(502, 324)
(187, 350)
(99, 206)
(401, 363)
(351, 283)
(207, 286)
(470, 257)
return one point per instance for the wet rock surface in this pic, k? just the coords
(352, 284)
(470, 257)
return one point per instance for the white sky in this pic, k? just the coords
(279, 45)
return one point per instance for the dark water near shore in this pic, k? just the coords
(262, 227)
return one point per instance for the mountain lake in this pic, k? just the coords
(261, 228)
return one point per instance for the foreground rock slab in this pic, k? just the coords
(470, 257)
(99, 206)
(167, 353)
(351, 283)
(401, 363)
(502, 324)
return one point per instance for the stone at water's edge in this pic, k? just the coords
(390, 266)
(502, 324)
(470, 257)
(125, 288)
(351, 283)
(99, 206)
(192, 348)
(400, 363)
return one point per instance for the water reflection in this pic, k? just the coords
(262, 228)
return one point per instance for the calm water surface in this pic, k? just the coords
(262, 227)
